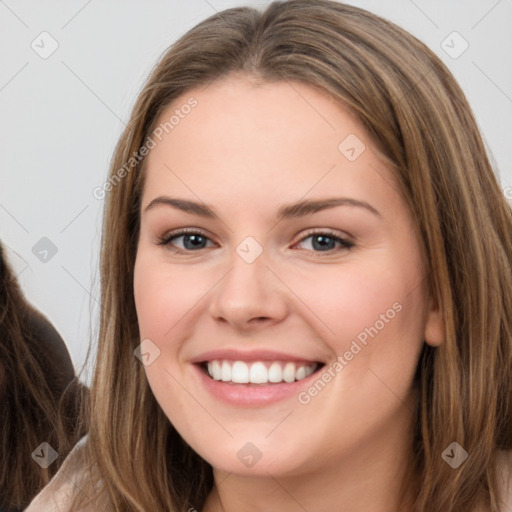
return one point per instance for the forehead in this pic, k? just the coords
(260, 105)
(276, 138)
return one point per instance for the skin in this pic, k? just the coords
(246, 149)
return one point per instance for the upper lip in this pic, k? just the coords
(250, 356)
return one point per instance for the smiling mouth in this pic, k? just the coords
(258, 372)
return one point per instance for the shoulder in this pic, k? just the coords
(504, 474)
(58, 494)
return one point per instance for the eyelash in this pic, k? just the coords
(345, 244)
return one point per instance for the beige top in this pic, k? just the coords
(56, 496)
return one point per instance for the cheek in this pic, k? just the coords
(361, 297)
(372, 316)
(163, 296)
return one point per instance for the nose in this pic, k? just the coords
(250, 296)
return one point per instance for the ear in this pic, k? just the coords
(434, 326)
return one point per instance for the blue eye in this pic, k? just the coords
(325, 241)
(191, 240)
(322, 241)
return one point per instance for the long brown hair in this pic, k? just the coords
(415, 111)
(40, 397)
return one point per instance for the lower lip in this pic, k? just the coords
(252, 394)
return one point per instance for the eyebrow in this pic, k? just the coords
(288, 211)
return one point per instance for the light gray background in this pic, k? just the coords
(61, 117)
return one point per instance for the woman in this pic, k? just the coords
(254, 368)
(39, 393)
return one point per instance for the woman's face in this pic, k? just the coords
(265, 291)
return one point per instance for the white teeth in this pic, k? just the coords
(289, 372)
(240, 372)
(225, 373)
(216, 370)
(275, 373)
(310, 369)
(258, 374)
(300, 373)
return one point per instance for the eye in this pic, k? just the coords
(322, 241)
(325, 241)
(192, 239)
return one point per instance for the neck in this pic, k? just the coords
(367, 478)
